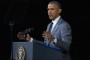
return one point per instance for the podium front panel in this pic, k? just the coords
(35, 51)
(28, 46)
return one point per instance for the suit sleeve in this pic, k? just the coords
(66, 37)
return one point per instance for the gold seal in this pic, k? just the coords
(21, 53)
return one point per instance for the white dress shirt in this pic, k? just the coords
(54, 23)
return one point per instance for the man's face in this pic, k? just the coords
(53, 11)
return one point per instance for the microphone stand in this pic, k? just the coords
(11, 23)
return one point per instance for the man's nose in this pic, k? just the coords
(49, 11)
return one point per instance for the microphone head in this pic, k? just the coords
(29, 30)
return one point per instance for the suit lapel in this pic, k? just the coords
(56, 26)
(48, 27)
(55, 29)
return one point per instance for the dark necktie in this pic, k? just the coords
(50, 26)
(50, 31)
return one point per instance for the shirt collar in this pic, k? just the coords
(55, 21)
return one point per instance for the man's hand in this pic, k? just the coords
(48, 35)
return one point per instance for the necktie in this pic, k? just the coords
(49, 30)
(50, 26)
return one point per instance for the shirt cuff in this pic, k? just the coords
(31, 40)
(55, 40)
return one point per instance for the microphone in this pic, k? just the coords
(29, 30)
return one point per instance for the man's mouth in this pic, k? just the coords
(49, 15)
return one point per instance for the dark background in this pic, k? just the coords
(33, 13)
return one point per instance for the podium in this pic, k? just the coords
(36, 51)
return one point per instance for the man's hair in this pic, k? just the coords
(57, 3)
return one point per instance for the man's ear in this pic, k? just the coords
(60, 10)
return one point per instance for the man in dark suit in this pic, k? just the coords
(58, 33)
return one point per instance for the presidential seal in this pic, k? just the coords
(21, 53)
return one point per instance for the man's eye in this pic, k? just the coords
(51, 9)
